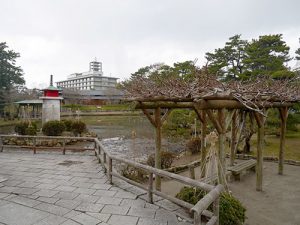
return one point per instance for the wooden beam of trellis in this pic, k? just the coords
(205, 104)
(199, 113)
(214, 121)
(164, 117)
(150, 118)
(229, 118)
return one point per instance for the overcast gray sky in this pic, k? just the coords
(60, 37)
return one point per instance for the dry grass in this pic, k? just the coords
(272, 146)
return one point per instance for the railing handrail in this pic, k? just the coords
(208, 199)
(159, 172)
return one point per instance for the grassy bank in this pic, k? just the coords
(4, 123)
(272, 143)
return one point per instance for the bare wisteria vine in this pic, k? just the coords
(250, 93)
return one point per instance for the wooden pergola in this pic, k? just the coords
(223, 104)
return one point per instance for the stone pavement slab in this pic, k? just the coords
(124, 220)
(40, 190)
(15, 214)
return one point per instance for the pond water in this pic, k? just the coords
(120, 126)
(130, 136)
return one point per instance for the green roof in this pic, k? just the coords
(52, 88)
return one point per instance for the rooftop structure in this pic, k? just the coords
(90, 80)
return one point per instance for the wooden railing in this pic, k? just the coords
(201, 209)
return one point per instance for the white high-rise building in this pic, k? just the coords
(91, 80)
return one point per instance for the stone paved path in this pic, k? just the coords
(49, 188)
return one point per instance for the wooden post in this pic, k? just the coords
(203, 144)
(1, 143)
(221, 149)
(192, 172)
(233, 138)
(34, 145)
(260, 145)
(64, 146)
(109, 173)
(283, 118)
(197, 219)
(150, 188)
(157, 122)
(158, 147)
(104, 161)
(216, 209)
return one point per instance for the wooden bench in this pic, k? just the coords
(240, 167)
(214, 179)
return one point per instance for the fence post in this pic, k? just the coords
(34, 145)
(216, 209)
(197, 219)
(99, 154)
(1, 143)
(150, 188)
(64, 146)
(109, 173)
(104, 161)
(192, 172)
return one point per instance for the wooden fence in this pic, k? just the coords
(200, 210)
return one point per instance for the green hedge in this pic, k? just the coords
(78, 127)
(26, 128)
(232, 212)
(53, 128)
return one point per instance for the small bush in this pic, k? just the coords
(26, 128)
(167, 159)
(78, 127)
(30, 131)
(53, 128)
(194, 145)
(134, 174)
(68, 124)
(232, 212)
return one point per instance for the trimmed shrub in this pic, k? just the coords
(53, 128)
(78, 127)
(68, 124)
(194, 145)
(167, 159)
(232, 212)
(30, 131)
(26, 128)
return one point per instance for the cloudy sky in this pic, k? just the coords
(60, 37)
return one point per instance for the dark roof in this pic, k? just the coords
(30, 102)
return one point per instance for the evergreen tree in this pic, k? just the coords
(227, 62)
(267, 56)
(10, 74)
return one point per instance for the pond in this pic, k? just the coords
(130, 136)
